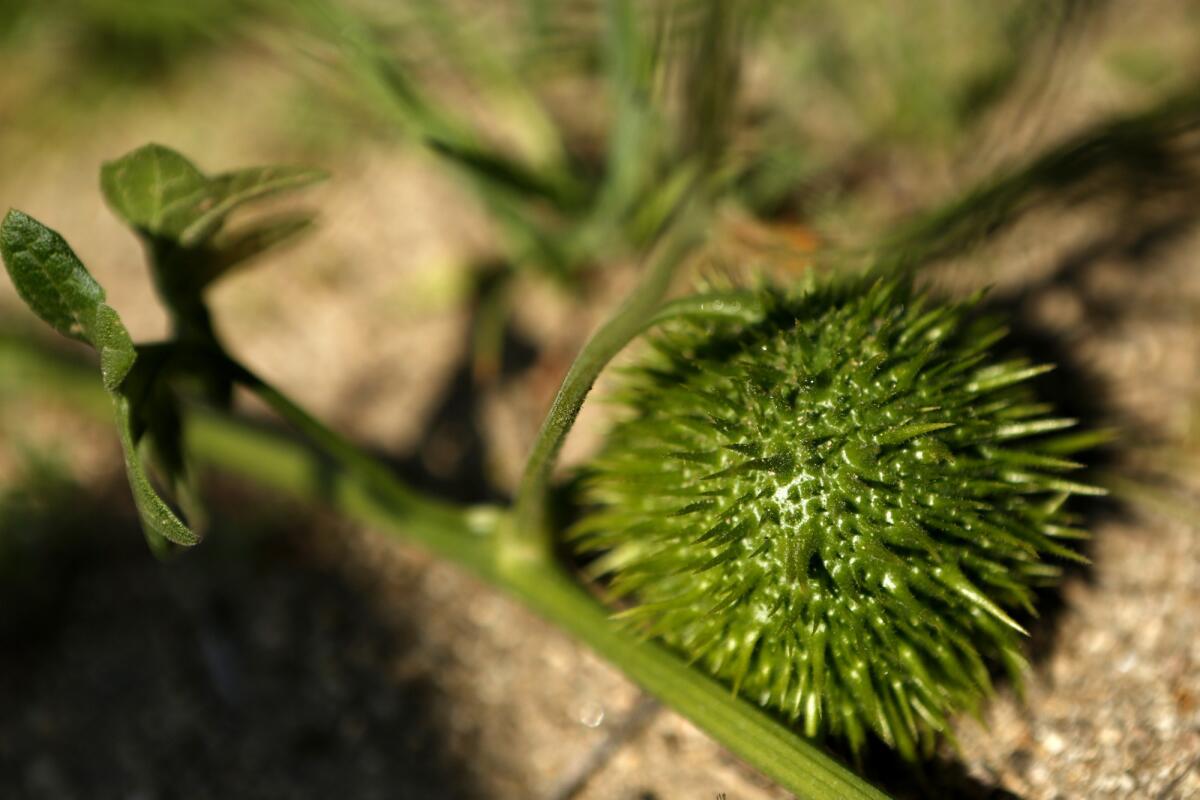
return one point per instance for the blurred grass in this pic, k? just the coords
(121, 41)
(852, 129)
(575, 121)
(859, 131)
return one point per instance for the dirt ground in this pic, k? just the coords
(296, 656)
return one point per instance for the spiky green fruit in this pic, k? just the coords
(836, 508)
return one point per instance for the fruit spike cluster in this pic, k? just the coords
(834, 509)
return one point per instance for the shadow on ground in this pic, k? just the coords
(248, 668)
(1136, 242)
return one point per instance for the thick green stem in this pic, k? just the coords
(362, 487)
(339, 473)
(352, 458)
(270, 460)
(793, 762)
(779, 753)
(277, 462)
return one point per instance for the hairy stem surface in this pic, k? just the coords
(529, 537)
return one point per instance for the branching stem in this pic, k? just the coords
(351, 483)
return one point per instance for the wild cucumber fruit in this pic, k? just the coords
(834, 509)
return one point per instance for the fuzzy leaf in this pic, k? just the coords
(117, 353)
(155, 189)
(232, 189)
(243, 245)
(159, 522)
(177, 210)
(161, 193)
(51, 279)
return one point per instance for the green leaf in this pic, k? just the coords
(236, 247)
(159, 522)
(161, 193)
(232, 189)
(52, 280)
(49, 277)
(177, 210)
(155, 190)
(117, 352)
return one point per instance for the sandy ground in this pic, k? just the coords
(299, 657)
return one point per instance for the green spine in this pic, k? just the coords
(836, 508)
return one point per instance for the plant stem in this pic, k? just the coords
(529, 536)
(341, 475)
(738, 305)
(351, 457)
(437, 525)
(795, 763)
(779, 753)
(270, 460)
(276, 462)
